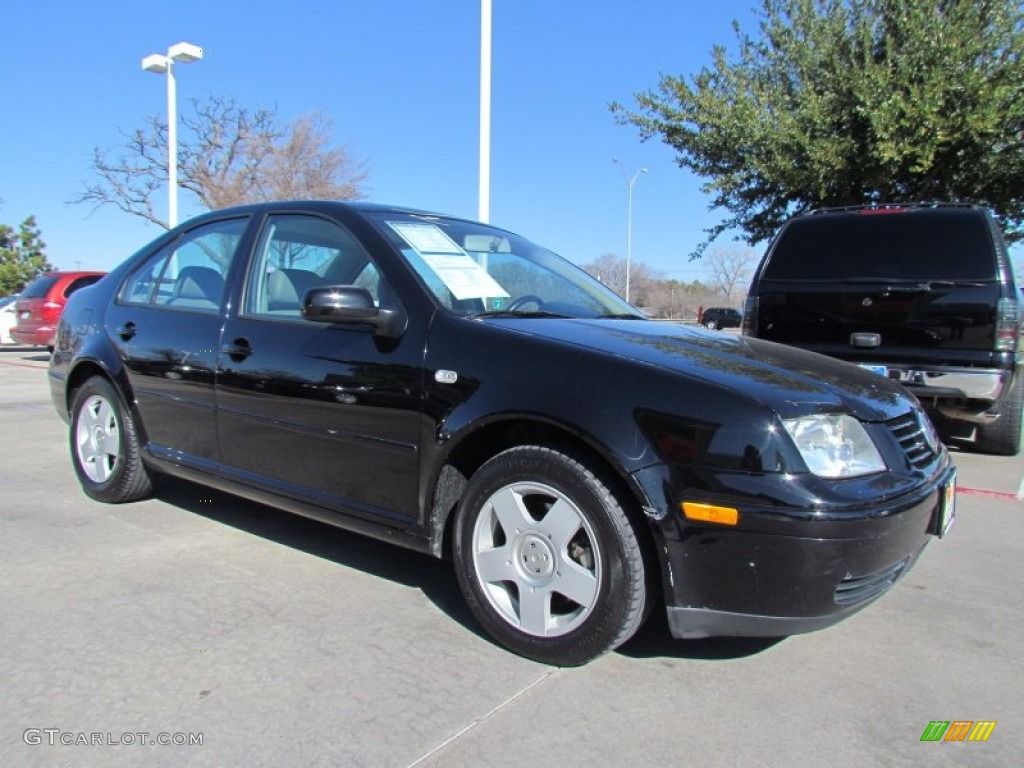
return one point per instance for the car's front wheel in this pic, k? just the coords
(105, 446)
(711, 325)
(547, 559)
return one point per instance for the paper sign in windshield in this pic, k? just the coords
(458, 271)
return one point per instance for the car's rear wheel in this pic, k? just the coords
(1002, 437)
(547, 559)
(105, 446)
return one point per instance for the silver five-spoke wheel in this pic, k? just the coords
(536, 559)
(97, 438)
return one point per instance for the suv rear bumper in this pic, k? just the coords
(40, 336)
(948, 382)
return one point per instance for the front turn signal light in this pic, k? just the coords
(710, 513)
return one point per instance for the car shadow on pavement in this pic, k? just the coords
(434, 578)
(655, 641)
(42, 357)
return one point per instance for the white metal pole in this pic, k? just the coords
(172, 147)
(484, 209)
(629, 232)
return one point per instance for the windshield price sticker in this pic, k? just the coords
(457, 270)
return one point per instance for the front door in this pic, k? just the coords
(327, 414)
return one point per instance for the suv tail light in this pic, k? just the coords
(51, 311)
(1007, 325)
(750, 316)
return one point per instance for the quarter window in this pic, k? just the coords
(189, 273)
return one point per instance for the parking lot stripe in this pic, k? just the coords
(21, 365)
(1019, 496)
(480, 719)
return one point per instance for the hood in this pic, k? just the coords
(791, 381)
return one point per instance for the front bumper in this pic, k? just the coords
(775, 575)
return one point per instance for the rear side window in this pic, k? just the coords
(921, 245)
(81, 282)
(188, 273)
(39, 287)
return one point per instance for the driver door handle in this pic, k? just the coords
(239, 348)
(127, 331)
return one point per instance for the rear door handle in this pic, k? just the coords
(127, 331)
(239, 348)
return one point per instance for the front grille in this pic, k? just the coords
(915, 438)
(856, 590)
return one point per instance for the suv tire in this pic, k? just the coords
(1002, 437)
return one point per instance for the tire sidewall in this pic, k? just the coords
(603, 626)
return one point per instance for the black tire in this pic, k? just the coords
(711, 325)
(1002, 437)
(554, 528)
(105, 447)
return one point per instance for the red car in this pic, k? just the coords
(42, 301)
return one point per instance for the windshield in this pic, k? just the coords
(474, 269)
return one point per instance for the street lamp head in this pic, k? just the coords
(155, 63)
(184, 53)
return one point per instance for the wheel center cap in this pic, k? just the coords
(97, 437)
(535, 558)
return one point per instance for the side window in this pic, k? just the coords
(189, 273)
(81, 282)
(297, 253)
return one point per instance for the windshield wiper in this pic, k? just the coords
(517, 313)
(620, 316)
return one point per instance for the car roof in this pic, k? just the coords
(322, 206)
(883, 208)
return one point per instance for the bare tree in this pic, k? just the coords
(730, 268)
(611, 270)
(227, 155)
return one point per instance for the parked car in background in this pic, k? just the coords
(8, 318)
(920, 294)
(454, 388)
(721, 317)
(40, 305)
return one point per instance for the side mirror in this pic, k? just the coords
(349, 305)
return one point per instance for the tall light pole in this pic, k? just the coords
(182, 53)
(484, 209)
(630, 181)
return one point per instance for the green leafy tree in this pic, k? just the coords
(21, 256)
(841, 102)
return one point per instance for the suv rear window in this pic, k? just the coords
(39, 287)
(940, 244)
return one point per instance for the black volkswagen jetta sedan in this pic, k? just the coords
(456, 389)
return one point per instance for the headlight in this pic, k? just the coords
(834, 445)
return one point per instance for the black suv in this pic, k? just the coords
(721, 317)
(922, 294)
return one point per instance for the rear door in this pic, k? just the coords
(166, 325)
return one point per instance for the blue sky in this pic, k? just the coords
(400, 79)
